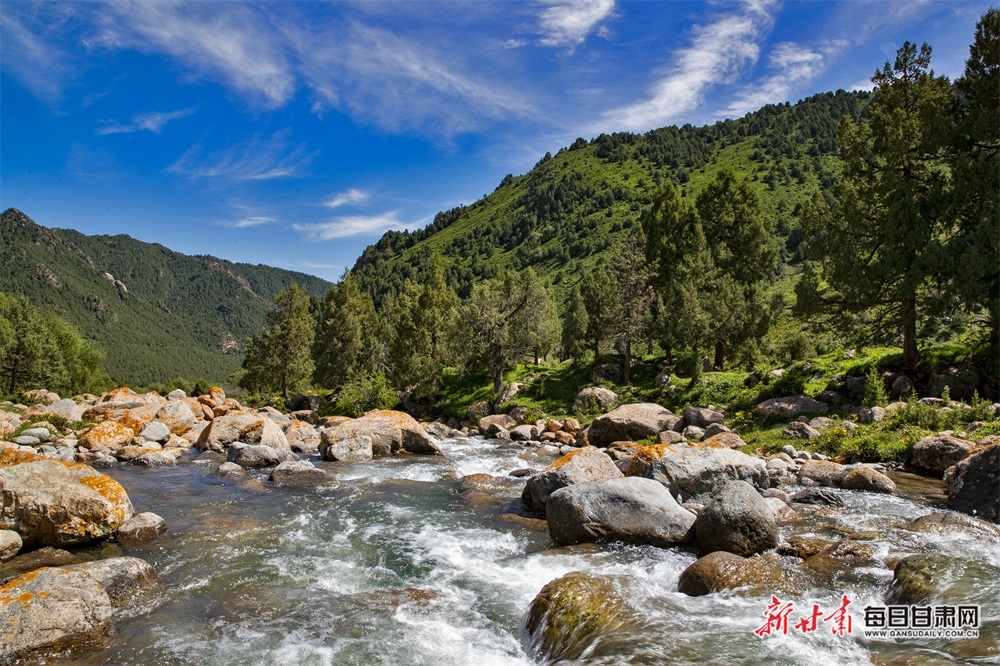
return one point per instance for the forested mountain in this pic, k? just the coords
(157, 314)
(572, 210)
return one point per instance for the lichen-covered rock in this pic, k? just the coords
(823, 472)
(142, 527)
(155, 432)
(265, 433)
(177, 415)
(56, 503)
(580, 466)
(107, 435)
(936, 453)
(633, 422)
(728, 439)
(10, 544)
(53, 609)
(974, 485)
(631, 509)
(737, 520)
(223, 431)
(570, 613)
(390, 432)
(868, 480)
(697, 470)
(302, 437)
(121, 577)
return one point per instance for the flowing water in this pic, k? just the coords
(399, 563)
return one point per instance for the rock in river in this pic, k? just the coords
(737, 520)
(580, 466)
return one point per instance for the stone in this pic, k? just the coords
(737, 520)
(354, 449)
(610, 372)
(868, 480)
(713, 429)
(141, 527)
(10, 544)
(156, 432)
(594, 398)
(667, 437)
(154, 459)
(257, 455)
(800, 430)
(66, 408)
(580, 466)
(524, 433)
(822, 496)
(936, 453)
(478, 410)
(871, 414)
(223, 431)
(820, 422)
(390, 432)
(791, 406)
(572, 612)
(789, 450)
(298, 473)
(728, 439)
(902, 387)
(693, 433)
(302, 437)
(507, 394)
(177, 416)
(265, 433)
(121, 577)
(722, 570)
(107, 435)
(57, 503)
(571, 425)
(974, 485)
(702, 417)
(499, 420)
(947, 521)
(697, 471)
(633, 421)
(53, 609)
(230, 470)
(936, 578)
(823, 472)
(632, 509)
(26, 440)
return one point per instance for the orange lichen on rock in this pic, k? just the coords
(107, 435)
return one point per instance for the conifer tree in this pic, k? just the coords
(574, 326)
(343, 346)
(599, 289)
(278, 358)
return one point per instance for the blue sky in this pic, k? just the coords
(295, 133)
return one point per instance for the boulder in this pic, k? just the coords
(791, 406)
(68, 409)
(354, 449)
(974, 484)
(478, 410)
(507, 394)
(722, 570)
(631, 509)
(713, 429)
(524, 433)
(107, 435)
(53, 609)
(120, 577)
(570, 613)
(142, 527)
(53, 502)
(821, 496)
(10, 544)
(823, 472)
(223, 431)
(737, 520)
(947, 521)
(265, 433)
(155, 432)
(800, 430)
(390, 432)
(633, 422)
(497, 420)
(697, 471)
(702, 417)
(936, 453)
(302, 437)
(257, 455)
(230, 470)
(936, 578)
(594, 398)
(580, 466)
(728, 439)
(693, 433)
(868, 480)
(902, 387)
(177, 416)
(610, 372)
(297, 473)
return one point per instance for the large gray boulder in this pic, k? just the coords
(390, 432)
(224, 430)
(702, 417)
(697, 471)
(631, 509)
(738, 520)
(121, 577)
(68, 409)
(823, 472)
(354, 449)
(936, 453)
(594, 398)
(257, 455)
(790, 406)
(265, 433)
(302, 437)
(56, 503)
(580, 466)
(630, 422)
(299, 473)
(974, 484)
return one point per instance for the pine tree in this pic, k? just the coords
(599, 289)
(343, 346)
(278, 358)
(635, 295)
(574, 326)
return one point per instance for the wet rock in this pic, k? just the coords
(10, 544)
(791, 406)
(947, 521)
(697, 471)
(53, 502)
(154, 459)
(868, 480)
(629, 422)
(974, 485)
(299, 473)
(46, 556)
(632, 509)
(737, 520)
(823, 472)
(257, 455)
(803, 547)
(581, 466)
(936, 578)
(390, 432)
(570, 613)
(121, 577)
(821, 496)
(936, 453)
(52, 609)
(355, 449)
(723, 570)
(230, 470)
(142, 527)
(845, 562)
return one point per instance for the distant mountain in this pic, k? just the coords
(157, 314)
(573, 209)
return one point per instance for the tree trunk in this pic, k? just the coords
(627, 366)
(909, 317)
(498, 379)
(720, 355)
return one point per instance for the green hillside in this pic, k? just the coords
(569, 212)
(157, 314)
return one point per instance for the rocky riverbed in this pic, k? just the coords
(383, 540)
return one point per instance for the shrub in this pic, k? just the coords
(366, 393)
(875, 395)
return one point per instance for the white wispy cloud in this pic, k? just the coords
(569, 22)
(31, 49)
(250, 221)
(150, 122)
(793, 66)
(351, 196)
(718, 52)
(256, 158)
(354, 225)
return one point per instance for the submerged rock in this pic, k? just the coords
(937, 578)
(722, 570)
(631, 509)
(571, 613)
